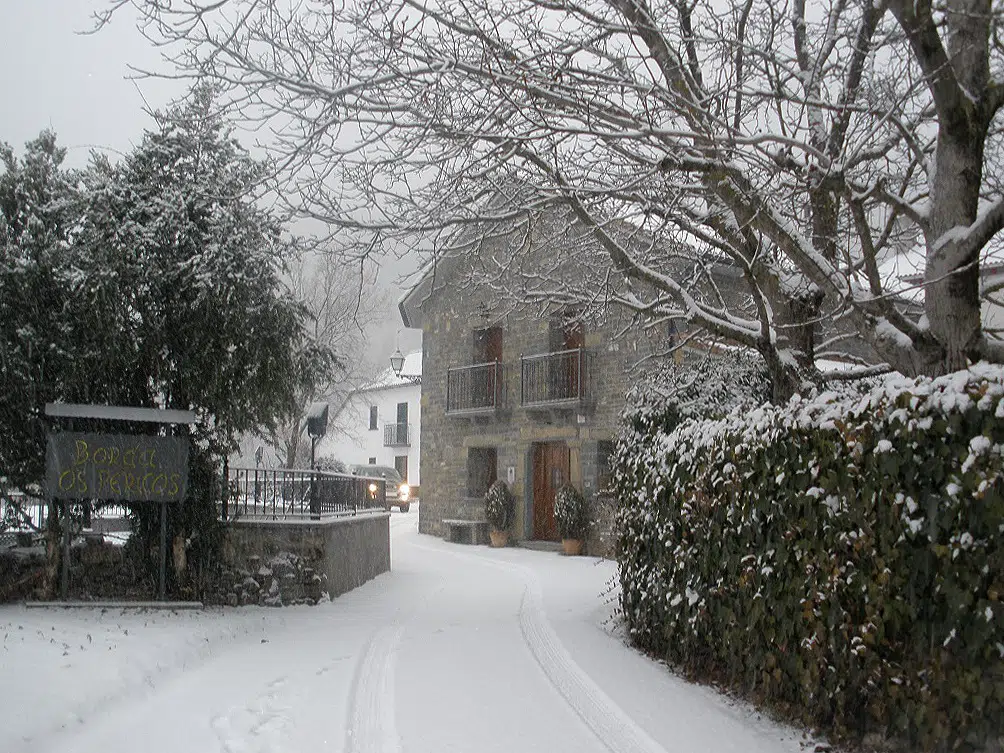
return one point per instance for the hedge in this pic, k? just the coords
(838, 558)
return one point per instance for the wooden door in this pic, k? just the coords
(565, 334)
(487, 345)
(551, 466)
(487, 350)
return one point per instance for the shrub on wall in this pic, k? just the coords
(838, 558)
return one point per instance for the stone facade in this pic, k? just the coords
(454, 312)
(588, 430)
(342, 553)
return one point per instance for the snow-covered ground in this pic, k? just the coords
(457, 649)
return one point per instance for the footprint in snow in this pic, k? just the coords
(258, 727)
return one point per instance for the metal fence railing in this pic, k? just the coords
(24, 517)
(279, 494)
(396, 435)
(552, 378)
(21, 512)
(475, 389)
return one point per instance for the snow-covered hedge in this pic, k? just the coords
(839, 557)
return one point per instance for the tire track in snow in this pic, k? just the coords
(600, 713)
(372, 724)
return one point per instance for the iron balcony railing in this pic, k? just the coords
(475, 389)
(279, 494)
(551, 379)
(396, 435)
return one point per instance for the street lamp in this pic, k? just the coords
(397, 363)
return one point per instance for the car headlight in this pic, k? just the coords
(405, 492)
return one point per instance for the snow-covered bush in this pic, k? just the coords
(571, 513)
(500, 506)
(331, 464)
(707, 386)
(838, 557)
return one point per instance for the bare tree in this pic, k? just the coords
(340, 302)
(801, 144)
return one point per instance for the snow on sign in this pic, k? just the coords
(120, 467)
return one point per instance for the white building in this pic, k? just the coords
(380, 423)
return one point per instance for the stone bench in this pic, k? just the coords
(466, 531)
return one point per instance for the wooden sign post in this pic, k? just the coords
(116, 467)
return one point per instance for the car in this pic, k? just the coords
(398, 493)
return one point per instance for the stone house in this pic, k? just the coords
(530, 393)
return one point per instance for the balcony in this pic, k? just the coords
(396, 435)
(475, 390)
(553, 380)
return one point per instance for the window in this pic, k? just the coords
(487, 345)
(401, 466)
(373, 417)
(604, 466)
(482, 470)
(372, 461)
(565, 330)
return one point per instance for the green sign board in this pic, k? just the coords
(119, 467)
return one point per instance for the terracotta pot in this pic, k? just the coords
(499, 538)
(572, 546)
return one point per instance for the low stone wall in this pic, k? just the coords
(601, 541)
(343, 552)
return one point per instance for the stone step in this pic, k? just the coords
(541, 546)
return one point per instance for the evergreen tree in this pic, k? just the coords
(155, 282)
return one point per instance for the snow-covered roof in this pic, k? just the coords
(387, 378)
(409, 305)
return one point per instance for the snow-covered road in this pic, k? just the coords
(457, 649)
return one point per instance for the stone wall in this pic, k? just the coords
(601, 541)
(342, 552)
(272, 563)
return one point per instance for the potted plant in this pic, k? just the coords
(500, 510)
(571, 515)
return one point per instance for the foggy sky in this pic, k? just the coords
(53, 77)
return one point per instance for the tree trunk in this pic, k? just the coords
(786, 379)
(53, 551)
(790, 357)
(293, 443)
(952, 284)
(180, 556)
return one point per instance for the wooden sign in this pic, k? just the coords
(119, 467)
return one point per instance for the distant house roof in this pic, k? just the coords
(387, 378)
